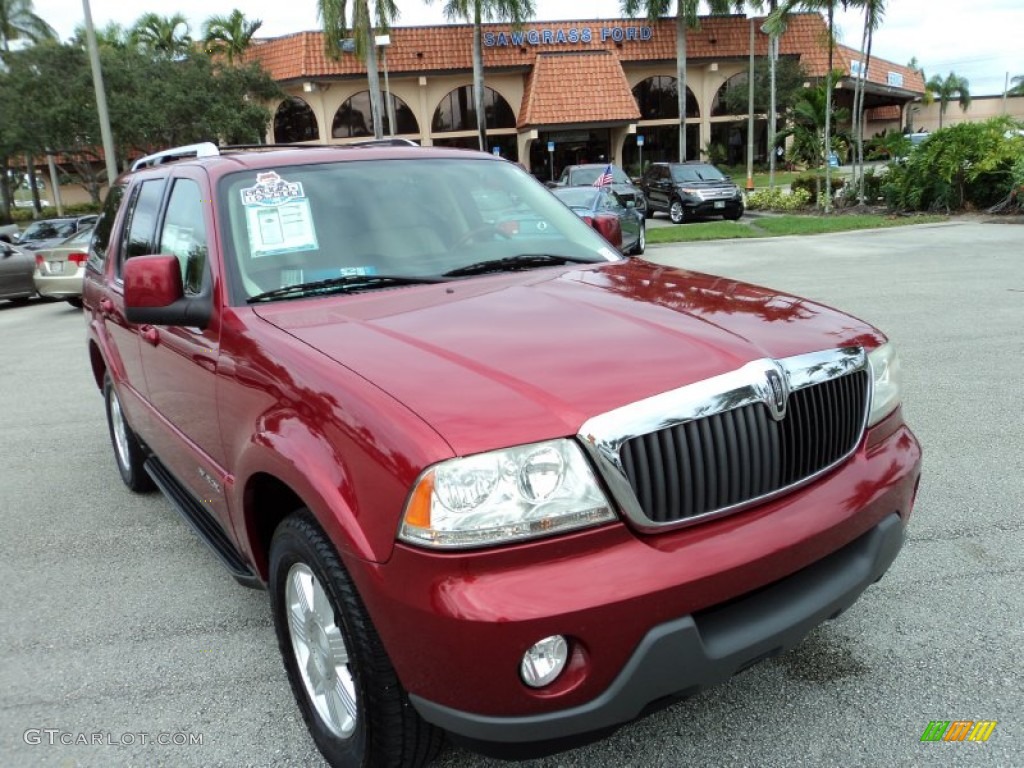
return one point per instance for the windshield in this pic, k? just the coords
(397, 221)
(48, 230)
(696, 173)
(584, 176)
(578, 197)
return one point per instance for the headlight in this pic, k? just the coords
(699, 194)
(886, 382)
(504, 496)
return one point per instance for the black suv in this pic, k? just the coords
(690, 191)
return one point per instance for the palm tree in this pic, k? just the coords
(685, 18)
(874, 10)
(165, 35)
(1018, 86)
(944, 89)
(810, 129)
(18, 21)
(829, 6)
(230, 35)
(475, 11)
(365, 23)
(111, 36)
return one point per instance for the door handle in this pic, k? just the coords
(106, 306)
(150, 334)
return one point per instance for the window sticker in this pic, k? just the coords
(278, 216)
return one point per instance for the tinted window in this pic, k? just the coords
(101, 234)
(696, 173)
(48, 230)
(184, 233)
(142, 214)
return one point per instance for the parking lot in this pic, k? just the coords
(119, 630)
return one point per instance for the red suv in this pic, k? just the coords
(499, 481)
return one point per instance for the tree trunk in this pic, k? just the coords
(30, 168)
(478, 80)
(860, 145)
(5, 190)
(858, 109)
(681, 78)
(773, 127)
(828, 110)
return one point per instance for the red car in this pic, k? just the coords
(499, 481)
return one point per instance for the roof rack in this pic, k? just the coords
(392, 142)
(204, 149)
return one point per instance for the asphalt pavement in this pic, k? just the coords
(119, 630)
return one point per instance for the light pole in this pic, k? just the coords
(383, 41)
(101, 96)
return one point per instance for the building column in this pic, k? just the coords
(425, 117)
(524, 140)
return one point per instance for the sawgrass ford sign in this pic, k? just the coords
(567, 35)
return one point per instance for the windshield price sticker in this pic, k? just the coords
(278, 216)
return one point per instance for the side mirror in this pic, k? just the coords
(631, 203)
(154, 295)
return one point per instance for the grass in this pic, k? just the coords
(739, 176)
(779, 226)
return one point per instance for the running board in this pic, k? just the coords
(202, 523)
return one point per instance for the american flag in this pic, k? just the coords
(605, 179)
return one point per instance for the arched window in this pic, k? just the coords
(456, 113)
(719, 106)
(354, 117)
(295, 121)
(657, 98)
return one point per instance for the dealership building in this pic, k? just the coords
(565, 92)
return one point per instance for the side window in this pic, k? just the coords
(184, 233)
(142, 214)
(101, 234)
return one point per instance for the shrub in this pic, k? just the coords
(806, 182)
(777, 199)
(965, 166)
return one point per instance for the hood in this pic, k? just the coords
(521, 357)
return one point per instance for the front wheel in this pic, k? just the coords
(349, 694)
(676, 211)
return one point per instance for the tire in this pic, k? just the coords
(676, 211)
(128, 452)
(641, 243)
(329, 644)
(733, 216)
(75, 301)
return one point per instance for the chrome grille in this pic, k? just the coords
(728, 459)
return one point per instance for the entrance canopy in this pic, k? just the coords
(575, 88)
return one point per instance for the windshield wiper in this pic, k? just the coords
(515, 263)
(341, 285)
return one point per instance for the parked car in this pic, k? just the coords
(59, 270)
(687, 191)
(15, 273)
(617, 220)
(47, 233)
(9, 233)
(587, 174)
(498, 480)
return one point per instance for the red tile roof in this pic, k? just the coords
(586, 87)
(449, 48)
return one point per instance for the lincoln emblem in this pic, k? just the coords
(776, 395)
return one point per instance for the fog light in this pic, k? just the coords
(544, 661)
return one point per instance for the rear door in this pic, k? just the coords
(15, 272)
(123, 230)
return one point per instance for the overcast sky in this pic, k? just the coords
(980, 41)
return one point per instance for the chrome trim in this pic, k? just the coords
(602, 436)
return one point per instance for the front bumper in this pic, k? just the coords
(702, 208)
(682, 656)
(648, 617)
